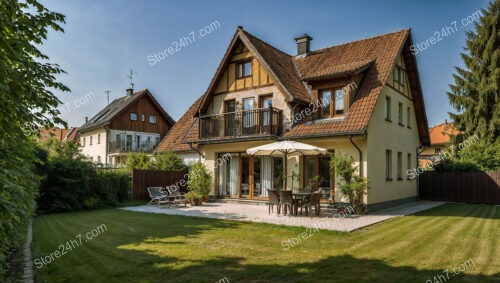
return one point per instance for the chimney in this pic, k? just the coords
(130, 92)
(303, 44)
(446, 121)
(86, 119)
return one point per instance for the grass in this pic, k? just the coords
(142, 247)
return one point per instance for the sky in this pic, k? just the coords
(104, 40)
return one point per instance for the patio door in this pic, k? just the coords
(230, 118)
(229, 176)
(245, 176)
(317, 175)
(248, 119)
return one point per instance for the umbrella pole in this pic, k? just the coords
(286, 171)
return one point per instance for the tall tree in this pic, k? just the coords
(27, 103)
(476, 92)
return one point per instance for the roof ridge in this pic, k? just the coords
(275, 48)
(354, 41)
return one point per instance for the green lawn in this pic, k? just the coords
(140, 247)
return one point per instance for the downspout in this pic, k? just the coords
(360, 156)
(191, 146)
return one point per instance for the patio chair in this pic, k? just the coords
(175, 196)
(274, 199)
(286, 200)
(159, 195)
(314, 201)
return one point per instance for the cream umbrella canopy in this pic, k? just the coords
(285, 148)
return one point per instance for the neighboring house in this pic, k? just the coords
(440, 139)
(59, 134)
(361, 98)
(135, 122)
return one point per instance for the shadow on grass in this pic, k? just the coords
(484, 211)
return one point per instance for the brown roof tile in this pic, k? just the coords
(440, 134)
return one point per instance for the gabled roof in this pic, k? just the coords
(55, 133)
(175, 139)
(440, 134)
(277, 64)
(119, 105)
(376, 56)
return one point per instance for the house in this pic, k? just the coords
(135, 122)
(440, 140)
(59, 134)
(361, 98)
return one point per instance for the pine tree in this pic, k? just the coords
(476, 92)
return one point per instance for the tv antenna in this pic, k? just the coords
(131, 77)
(107, 92)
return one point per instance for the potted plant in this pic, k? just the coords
(198, 183)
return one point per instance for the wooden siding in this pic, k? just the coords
(472, 187)
(228, 81)
(142, 179)
(143, 106)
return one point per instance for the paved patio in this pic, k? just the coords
(259, 213)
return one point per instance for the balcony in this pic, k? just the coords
(131, 146)
(241, 124)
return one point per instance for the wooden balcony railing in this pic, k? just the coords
(258, 122)
(131, 146)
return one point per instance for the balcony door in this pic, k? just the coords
(230, 128)
(248, 116)
(265, 103)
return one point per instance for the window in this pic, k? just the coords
(339, 102)
(243, 69)
(91, 159)
(399, 75)
(133, 116)
(400, 166)
(408, 117)
(143, 117)
(437, 151)
(388, 165)
(152, 119)
(325, 101)
(388, 108)
(98, 138)
(90, 143)
(409, 163)
(400, 114)
(83, 141)
(98, 159)
(331, 106)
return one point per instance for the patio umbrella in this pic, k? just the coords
(284, 148)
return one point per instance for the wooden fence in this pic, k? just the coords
(142, 179)
(472, 187)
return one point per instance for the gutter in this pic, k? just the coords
(360, 156)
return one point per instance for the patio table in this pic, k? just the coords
(299, 199)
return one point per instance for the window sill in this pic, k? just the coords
(388, 179)
(400, 179)
(388, 120)
(401, 124)
(408, 127)
(244, 77)
(408, 178)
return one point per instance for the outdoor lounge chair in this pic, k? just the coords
(157, 194)
(314, 201)
(175, 196)
(274, 199)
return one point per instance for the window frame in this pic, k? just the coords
(408, 117)
(400, 114)
(409, 165)
(243, 73)
(90, 140)
(387, 108)
(154, 119)
(143, 117)
(388, 165)
(98, 138)
(399, 169)
(132, 115)
(333, 102)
